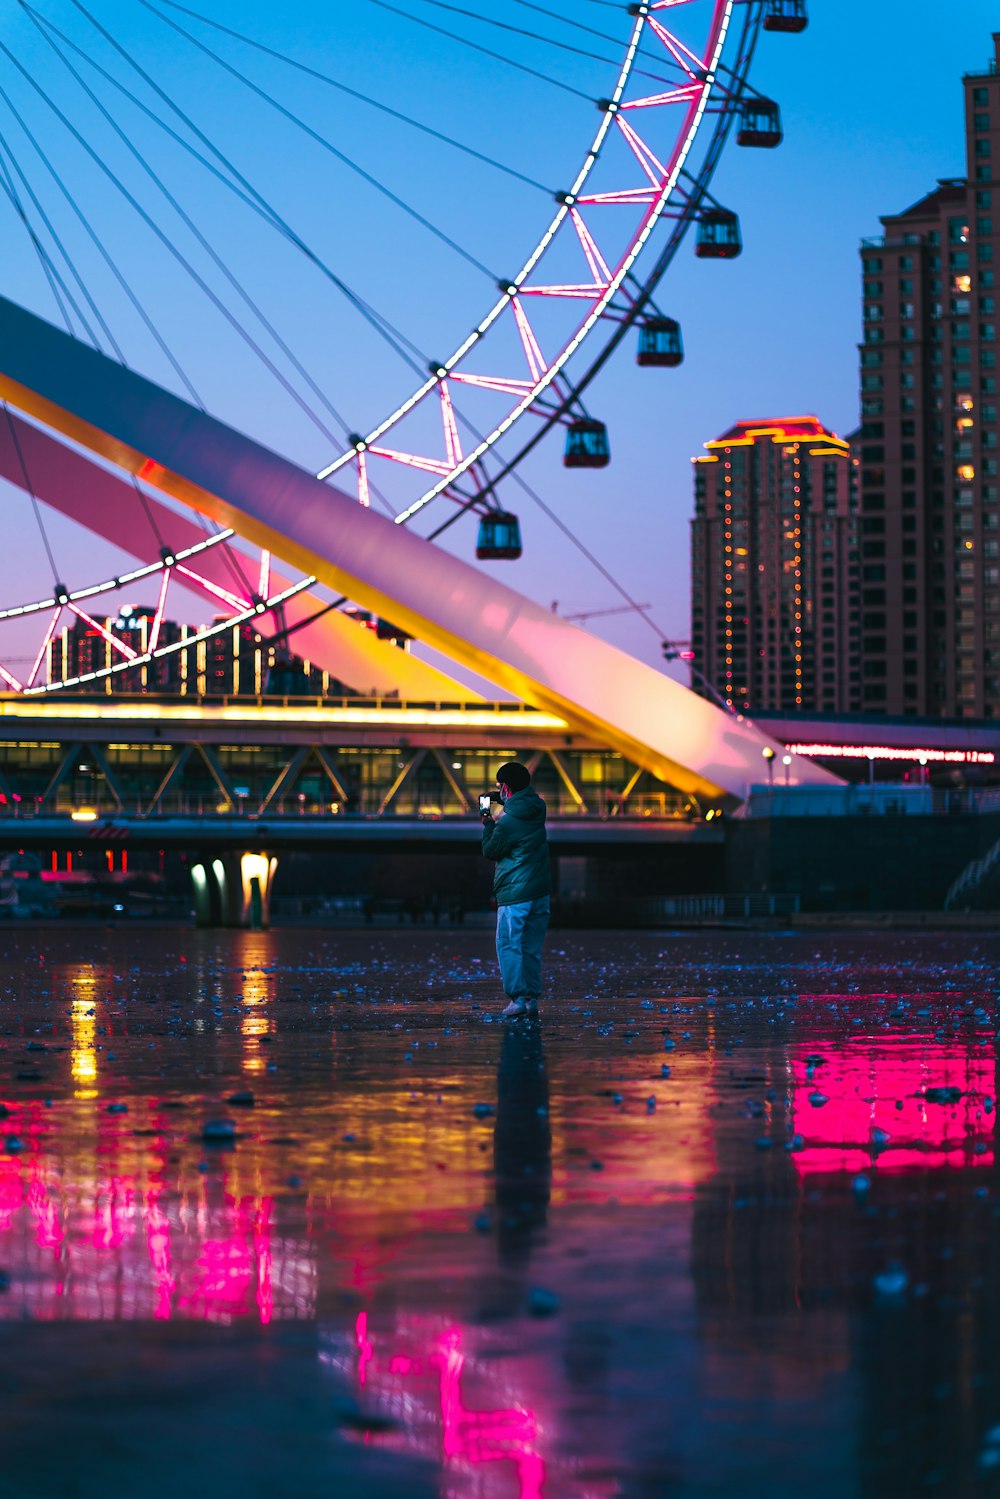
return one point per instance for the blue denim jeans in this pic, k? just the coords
(521, 929)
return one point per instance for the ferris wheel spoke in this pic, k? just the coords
(682, 95)
(681, 54)
(536, 361)
(499, 383)
(161, 604)
(626, 197)
(364, 489)
(88, 619)
(599, 268)
(214, 589)
(644, 155)
(589, 293)
(451, 438)
(43, 648)
(414, 460)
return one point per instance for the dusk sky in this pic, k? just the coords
(871, 99)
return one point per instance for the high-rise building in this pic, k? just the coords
(234, 661)
(930, 518)
(774, 568)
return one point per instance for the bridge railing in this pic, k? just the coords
(600, 805)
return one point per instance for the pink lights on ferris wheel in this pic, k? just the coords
(706, 79)
(583, 273)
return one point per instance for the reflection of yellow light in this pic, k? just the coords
(84, 814)
(257, 990)
(83, 1056)
(966, 471)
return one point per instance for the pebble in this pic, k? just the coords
(943, 1095)
(543, 1303)
(891, 1284)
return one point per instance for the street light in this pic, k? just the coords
(786, 761)
(768, 754)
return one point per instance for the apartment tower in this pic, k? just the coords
(930, 519)
(774, 569)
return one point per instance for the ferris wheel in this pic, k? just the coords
(678, 84)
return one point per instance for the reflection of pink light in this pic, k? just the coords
(365, 1352)
(509, 1434)
(223, 1278)
(11, 1194)
(113, 1220)
(863, 1081)
(43, 1210)
(158, 1245)
(262, 1253)
(486, 1436)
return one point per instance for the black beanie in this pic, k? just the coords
(513, 775)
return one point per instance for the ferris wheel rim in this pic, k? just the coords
(442, 373)
(257, 610)
(719, 15)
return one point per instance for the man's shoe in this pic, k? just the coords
(531, 1007)
(514, 1010)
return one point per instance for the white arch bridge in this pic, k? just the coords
(71, 394)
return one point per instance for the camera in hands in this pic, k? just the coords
(485, 802)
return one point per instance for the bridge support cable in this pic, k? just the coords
(56, 285)
(327, 145)
(6, 149)
(168, 245)
(216, 259)
(30, 491)
(92, 234)
(353, 93)
(413, 357)
(230, 178)
(236, 182)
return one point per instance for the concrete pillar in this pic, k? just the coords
(233, 889)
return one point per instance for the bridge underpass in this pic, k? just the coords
(234, 785)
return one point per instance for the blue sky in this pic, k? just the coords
(872, 111)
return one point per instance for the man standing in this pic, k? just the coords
(522, 884)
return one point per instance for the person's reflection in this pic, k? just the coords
(522, 1143)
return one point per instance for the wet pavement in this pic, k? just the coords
(291, 1214)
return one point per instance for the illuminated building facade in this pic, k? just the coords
(233, 662)
(774, 568)
(930, 509)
